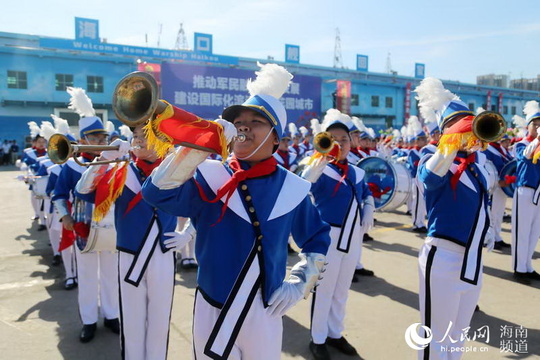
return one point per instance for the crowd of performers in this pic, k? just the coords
(232, 204)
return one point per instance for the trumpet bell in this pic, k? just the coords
(489, 126)
(323, 142)
(135, 98)
(59, 149)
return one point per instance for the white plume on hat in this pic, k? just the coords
(359, 123)
(371, 133)
(293, 129)
(480, 110)
(272, 80)
(47, 130)
(315, 126)
(531, 107)
(61, 125)
(396, 134)
(125, 131)
(433, 97)
(110, 127)
(34, 129)
(404, 133)
(331, 115)
(80, 102)
(304, 131)
(520, 122)
(413, 126)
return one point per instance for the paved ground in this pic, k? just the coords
(39, 320)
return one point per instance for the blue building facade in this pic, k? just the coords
(34, 72)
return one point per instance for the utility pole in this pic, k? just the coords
(181, 40)
(159, 34)
(338, 61)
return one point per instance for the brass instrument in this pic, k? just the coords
(323, 142)
(489, 126)
(135, 99)
(60, 149)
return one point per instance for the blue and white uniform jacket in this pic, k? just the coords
(413, 159)
(527, 173)
(460, 216)
(133, 228)
(342, 209)
(67, 179)
(498, 159)
(293, 160)
(282, 205)
(428, 149)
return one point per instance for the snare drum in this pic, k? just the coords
(509, 170)
(102, 236)
(39, 186)
(493, 175)
(389, 182)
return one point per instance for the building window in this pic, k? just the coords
(16, 80)
(374, 101)
(471, 106)
(63, 81)
(94, 84)
(389, 102)
(513, 110)
(493, 108)
(355, 100)
(505, 109)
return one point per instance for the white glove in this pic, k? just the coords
(177, 239)
(367, 214)
(123, 149)
(440, 163)
(229, 130)
(303, 278)
(313, 171)
(489, 241)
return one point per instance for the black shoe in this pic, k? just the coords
(184, 264)
(533, 275)
(502, 244)
(70, 284)
(496, 246)
(88, 332)
(364, 272)
(354, 279)
(41, 228)
(319, 351)
(522, 278)
(34, 218)
(477, 308)
(367, 237)
(408, 213)
(56, 260)
(112, 324)
(290, 250)
(420, 230)
(342, 345)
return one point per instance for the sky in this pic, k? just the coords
(456, 40)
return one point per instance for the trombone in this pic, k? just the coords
(60, 149)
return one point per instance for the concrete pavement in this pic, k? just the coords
(39, 319)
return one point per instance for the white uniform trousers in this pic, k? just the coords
(444, 298)
(98, 285)
(145, 310)
(54, 228)
(525, 229)
(69, 261)
(259, 338)
(498, 204)
(418, 206)
(330, 298)
(35, 204)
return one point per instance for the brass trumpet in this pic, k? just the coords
(323, 142)
(135, 99)
(489, 126)
(60, 149)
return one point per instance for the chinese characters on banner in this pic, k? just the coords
(407, 101)
(488, 101)
(207, 90)
(343, 96)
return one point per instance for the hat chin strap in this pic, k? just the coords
(258, 147)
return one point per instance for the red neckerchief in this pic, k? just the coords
(344, 168)
(88, 156)
(416, 147)
(498, 147)
(285, 156)
(40, 152)
(463, 163)
(146, 169)
(296, 148)
(433, 142)
(306, 143)
(355, 152)
(529, 138)
(262, 168)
